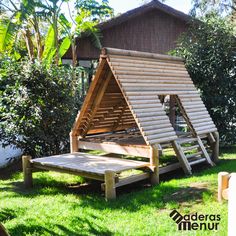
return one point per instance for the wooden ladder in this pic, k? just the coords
(191, 154)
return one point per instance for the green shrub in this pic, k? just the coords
(37, 107)
(209, 51)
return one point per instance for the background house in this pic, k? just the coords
(153, 27)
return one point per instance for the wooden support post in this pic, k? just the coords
(172, 110)
(154, 164)
(182, 158)
(223, 181)
(27, 171)
(232, 205)
(110, 189)
(74, 146)
(215, 148)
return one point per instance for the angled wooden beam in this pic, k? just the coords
(204, 151)
(116, 123)
(127, 101)
(182, 158)
(90, 93)
(96, 102)
(185, 115)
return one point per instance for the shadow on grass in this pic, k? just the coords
(82, 227)
(7, 214)
(130, 197)
(31, 229)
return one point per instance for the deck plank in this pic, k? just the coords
(83, 162)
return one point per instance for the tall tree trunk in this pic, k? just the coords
(55, 28)
(38, 40)
(234, 12)
(74, 56)
(74, 63)
(29, 44)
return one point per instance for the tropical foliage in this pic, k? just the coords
(39, 97)
(37, 106)
(42, 29)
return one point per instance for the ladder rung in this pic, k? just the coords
(187, 140)
(194, 155)
(190, 148)
(197, 161)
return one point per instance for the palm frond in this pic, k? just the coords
(49, 46)
(7, 34)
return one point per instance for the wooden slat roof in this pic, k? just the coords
(126, 91)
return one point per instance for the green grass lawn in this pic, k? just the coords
(58, 206)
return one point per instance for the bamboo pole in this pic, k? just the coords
(123, 52)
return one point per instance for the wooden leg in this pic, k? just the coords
(215, 148)
(154, 164)
(223, 182)
(73, 143)
(27, 171)
(110, 189)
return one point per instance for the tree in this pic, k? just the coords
(209, 51)
(225, 7)
(25, 18)
(99, 11)
(37, 107)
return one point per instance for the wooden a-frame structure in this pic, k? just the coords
(125, 94)
(124, 113)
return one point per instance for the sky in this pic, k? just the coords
(121, 6)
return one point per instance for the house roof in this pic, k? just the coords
(154, 4)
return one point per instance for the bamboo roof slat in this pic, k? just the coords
(132, 97)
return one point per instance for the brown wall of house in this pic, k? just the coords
(153, 31)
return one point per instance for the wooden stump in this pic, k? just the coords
(223, 180)
(27, 171)
(110, 189)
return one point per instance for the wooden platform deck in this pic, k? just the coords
(103, 168)
(92, 164)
